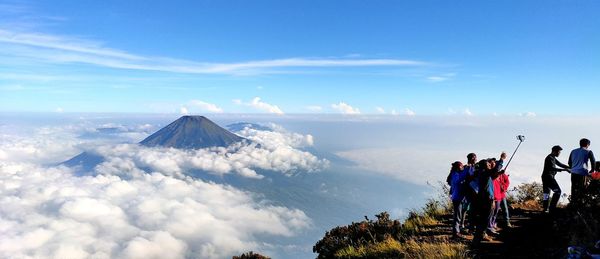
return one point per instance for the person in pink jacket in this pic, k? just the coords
(501, 183)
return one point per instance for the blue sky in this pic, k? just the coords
(409, 58)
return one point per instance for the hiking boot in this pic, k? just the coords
(487, 238)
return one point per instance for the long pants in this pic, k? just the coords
(470, 210)
(549, 184)
(577, 187)
(504, 207)
(457, 215)
(494, 215)
(485, 208)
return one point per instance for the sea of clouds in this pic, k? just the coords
(140, 203)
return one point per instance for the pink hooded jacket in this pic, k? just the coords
(501, 184)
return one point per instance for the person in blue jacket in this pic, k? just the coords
(457, 179)
(470, 193)
(580, 169)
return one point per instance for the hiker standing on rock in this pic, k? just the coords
(578, 162)
(485, 197)
(551, 167)
(457, 180)
(468, 207)
(501, 183)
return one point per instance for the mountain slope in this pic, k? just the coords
(191, 132)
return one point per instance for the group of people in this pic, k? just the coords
(580, 161)
(478, 189)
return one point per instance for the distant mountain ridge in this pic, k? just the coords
(192, 132)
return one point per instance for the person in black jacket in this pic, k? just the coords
(488, 169)
(551, 167)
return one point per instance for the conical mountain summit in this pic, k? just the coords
(191, 132)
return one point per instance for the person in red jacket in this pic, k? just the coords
(504, 203)
(501, 183)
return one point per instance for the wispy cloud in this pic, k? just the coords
(62, 43)
(409, 112)
(441, 78)
(344, 108)
(206, 106)
(64, 49)
(468, 112)
(256, 103)
(184, 110)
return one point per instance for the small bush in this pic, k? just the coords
(526, 195)
(416, 223)
(584, 221)
(251, 255)
(358, 234)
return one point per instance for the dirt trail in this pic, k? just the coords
(534, 234)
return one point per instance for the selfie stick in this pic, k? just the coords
(521, 138)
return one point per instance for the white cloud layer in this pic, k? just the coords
(431, 165)
(275, 151)
(49, 213)
(124, 211)
(344, 108)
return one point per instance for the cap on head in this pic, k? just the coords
(556, 148)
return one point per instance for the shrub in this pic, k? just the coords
(526, 195)
(251, 255)
(385, 238)
(416, 222)
(584, 221)
(358, 234)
